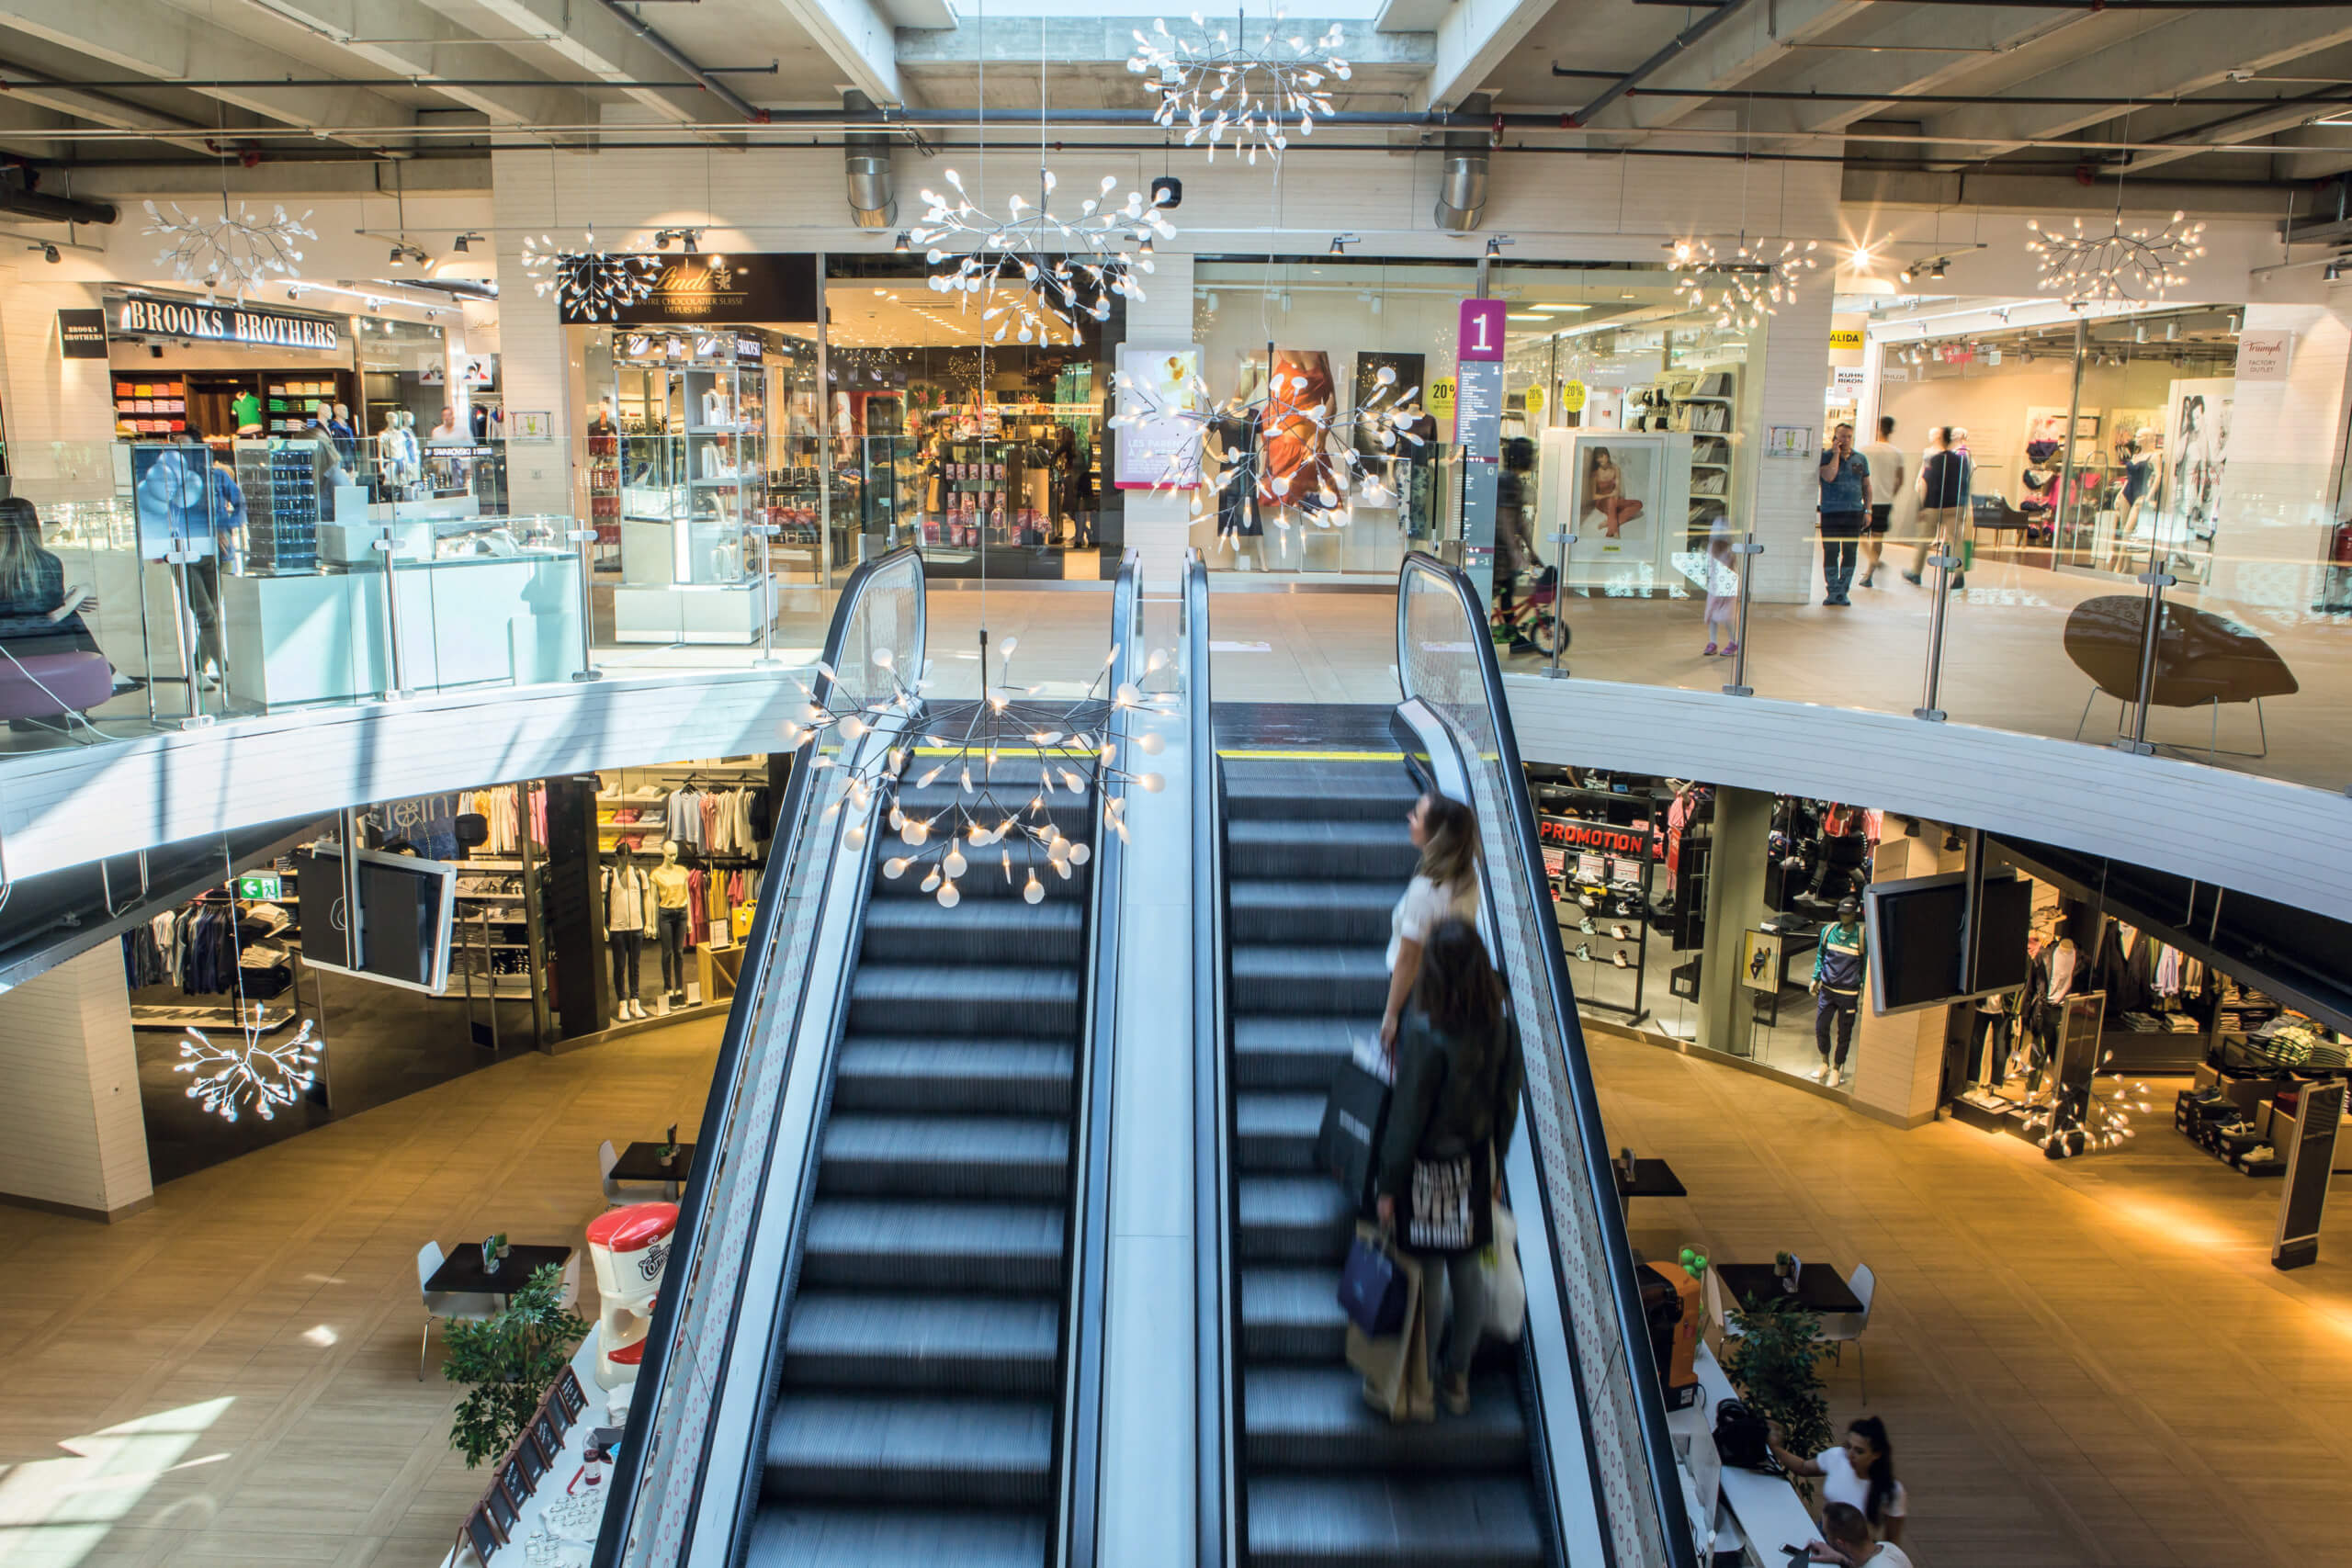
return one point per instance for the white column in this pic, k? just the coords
(60, 412)
(534, 368)
(1159, 525)
(1787, 491)
(72, 1137)
(2276, 508)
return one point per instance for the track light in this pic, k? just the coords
(464, 242)
(1144, 248)
(2140, 333)
(1339, 243)
(2331, 273)
(399, 255)
(904, 244)
(2237, 322)
(1167, 191)
(48, 253)
(1494, 243)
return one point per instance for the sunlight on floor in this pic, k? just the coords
(54, 1511)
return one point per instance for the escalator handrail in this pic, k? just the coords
(1092, 1120)
(1665, 1487)
(791, 835)
(1217, 1517)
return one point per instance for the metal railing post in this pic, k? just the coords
(584, 538)
(1552, 671)
(1747, 550)
(768, 606)
(389, 545)
(2158, 579)
(1943, 562)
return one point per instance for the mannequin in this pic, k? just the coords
(671, 914)
(343, 433)
(397, 454)
(1838, 966)
(2057, 974)
(629, 917)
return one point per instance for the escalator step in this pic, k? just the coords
(944, 1157)
(1315, 1418)
(989, 1246)
(940, 1344)
(918, 930)
(1278, 1130)
(1322, 981)
(1260, 789)
(921, 1000)
(1335, 852)
(1024, 1076)
(805, 1536)
(906, 1449)
(1272, 1053)
(1317, 1521)
(1299, 1219)
(1333, 914)
(1293, 1314)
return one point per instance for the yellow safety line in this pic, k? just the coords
(1321, 756)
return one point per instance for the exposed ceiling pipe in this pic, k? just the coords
(18, 196)
(1462, 183)
(1675, 46)
(1987, 101)
(679, 58)
(873, 195)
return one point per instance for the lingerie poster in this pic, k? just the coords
(2197, 437)
(1299, 404)
(1369, 387)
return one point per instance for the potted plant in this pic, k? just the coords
(509, 1360)
(1774, 1361)
(1785, 1267)
(493, 1248)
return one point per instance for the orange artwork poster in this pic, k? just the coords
(1298, 407)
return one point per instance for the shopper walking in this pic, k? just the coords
(1450, 1122)
(1946, 481)
(1837, 968)
(1445, 884)
(1887, 470)
(1859, 1474)
(1844, 513)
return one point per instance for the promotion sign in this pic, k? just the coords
(1441, 397)
(1159, 392)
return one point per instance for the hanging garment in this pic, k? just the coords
(685, 818)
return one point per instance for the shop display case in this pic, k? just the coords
(285, 493)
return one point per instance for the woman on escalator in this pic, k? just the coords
(1445, 883)
(1449, 1122)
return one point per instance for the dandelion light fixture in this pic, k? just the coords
(2121, 265)
(228, 1078)
(232, 254)
(1037, 273)
(591, 282)
(1739, 291)
(1248, 95)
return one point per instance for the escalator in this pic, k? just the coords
(1320, 853)
(922, 1361)
(1564, 1458)
(880, 1334)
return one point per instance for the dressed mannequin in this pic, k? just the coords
(343, 434)
(398, 457)
(671, 914)
(629, 917)
(2057, 974)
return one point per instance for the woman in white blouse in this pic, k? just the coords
(1444, 883)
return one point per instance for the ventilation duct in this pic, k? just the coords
(873, 198)
(19, 199)
(1462, 184)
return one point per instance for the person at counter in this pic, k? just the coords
(447, 433)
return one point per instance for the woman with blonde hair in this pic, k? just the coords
(1444, 885)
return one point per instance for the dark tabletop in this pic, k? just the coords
(642, 1162)
(461, 1270)
(1652, 1178)
(1819, 1286)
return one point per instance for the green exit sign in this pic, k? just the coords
(263, 885)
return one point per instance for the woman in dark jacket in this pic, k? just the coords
(1449, 1122)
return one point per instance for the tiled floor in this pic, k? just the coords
(2082, 1364)
(2085, 1362)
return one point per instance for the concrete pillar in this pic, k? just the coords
(1159, 525)
(73, 1136)
(1735, 866)
(1898, 1060)
(1795, 371)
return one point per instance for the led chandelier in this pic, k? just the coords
(1750, 286)
(2119, 265)
(1250, 93)
(234, 252)
(591, 282)
(264, 1076)
(1024, 253)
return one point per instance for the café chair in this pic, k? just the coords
(1846, 1327)
(619, 1192)
(568, 1297)
(456, 1306)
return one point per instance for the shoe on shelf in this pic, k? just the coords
(1587, 926)
(1708, 651)
(1618, 959)
(1583, 953)
(1622, 932)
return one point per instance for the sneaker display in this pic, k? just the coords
(2261, 1154)
(1587, 926)
(1622, 932)
(1618, 959)
(1583, 955)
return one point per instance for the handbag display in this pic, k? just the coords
(1348, 1143)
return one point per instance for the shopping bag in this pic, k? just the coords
(1396, 1366)
(1348, 1143)
(1372, 1287)
(1506, 1286)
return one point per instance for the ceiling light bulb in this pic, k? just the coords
(398, 256)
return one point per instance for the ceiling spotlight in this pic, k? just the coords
(399, 255)
(2140, 333)
(1494, 243)
(466, 241)
(2172, 332)
(1167, 191)
(2237, 322)
(1339, 242)
(1144, 248)
(904, 244)
(2332, 272)
(50, 255)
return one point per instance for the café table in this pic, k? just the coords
(643, 1162)
(1651, 1178)
(1819, 1286)
(461, 1271)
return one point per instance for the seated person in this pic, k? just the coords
(35, 616)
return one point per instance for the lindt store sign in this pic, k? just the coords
(221, 324)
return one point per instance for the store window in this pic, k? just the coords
(983, 452)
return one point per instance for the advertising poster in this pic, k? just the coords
(1369, 365)
(171, 488)
(1760, 966)
(1612, 481)
(1297, 470)
(2196, 448)
(1163, 447)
